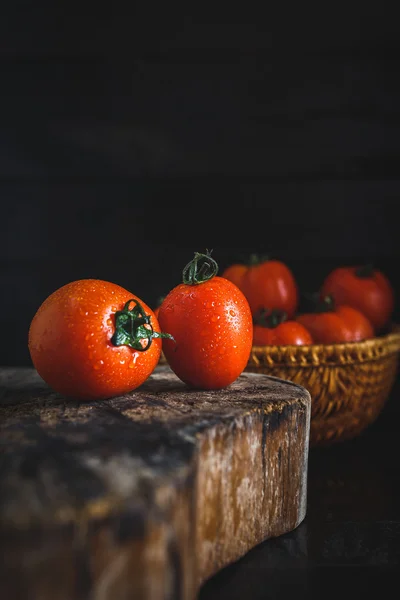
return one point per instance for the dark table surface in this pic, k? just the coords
(348, 546)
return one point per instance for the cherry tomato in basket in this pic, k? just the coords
(274, 328)
(364, 288)
(266, 282)
(93, 339)
(235, 273)
(211, 323)
(329, 324)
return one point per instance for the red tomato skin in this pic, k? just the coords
(345, 324)
(271, 284)
(212, 326)
(286, 333)
(372, 295)
(235, 273)
(357, 322)
(326, 328)
(69, 342)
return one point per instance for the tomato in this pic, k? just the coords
(235, 273)
(266, 282)
(330, 324)
(211, 323)
(93, 339)
(364, 288)
(274, 328)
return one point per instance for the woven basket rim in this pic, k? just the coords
(319, 354)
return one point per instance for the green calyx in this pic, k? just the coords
(270, 319)
(258, 259)
(200, 269)
(132, 326)
(325, 304)
(315, 303)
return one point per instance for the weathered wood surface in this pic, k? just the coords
(144, 496)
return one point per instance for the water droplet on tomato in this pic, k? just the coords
(134, 359)
(215, 318)
(122, 362)
(232, 313)
(109, 322)
(98, 365)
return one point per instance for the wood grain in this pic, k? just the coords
(146, 495)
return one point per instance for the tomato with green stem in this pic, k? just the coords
(266, 282)
(211, 324)
(273, 328)
(329, 324)
(365, 288)
(92, 339)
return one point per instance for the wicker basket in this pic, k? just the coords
(349, 383)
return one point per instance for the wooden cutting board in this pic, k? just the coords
(147, 495)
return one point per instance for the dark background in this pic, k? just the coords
(130, 141)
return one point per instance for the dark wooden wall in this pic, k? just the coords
(127, 142)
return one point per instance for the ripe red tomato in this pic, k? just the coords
(364, 288)
(275, 328)
(330, 324)
(266, 283)
(211, 323)
(93, 339)
(235, 273)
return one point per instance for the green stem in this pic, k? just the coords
(200, 269)
(325, 304)
(270, 319)
(258, 259)
(313, 303)
(132, 326)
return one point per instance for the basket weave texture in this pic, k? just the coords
(349, 383)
